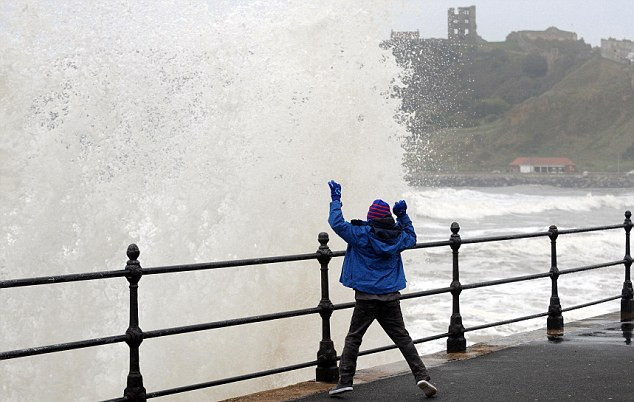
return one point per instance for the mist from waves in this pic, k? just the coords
(200, 135)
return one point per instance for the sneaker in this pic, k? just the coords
(427, 388)
(340, 389)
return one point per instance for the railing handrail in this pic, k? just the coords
(157, 333)
(326, 355)
(86, 276)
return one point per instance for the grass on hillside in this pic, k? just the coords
(585, 116)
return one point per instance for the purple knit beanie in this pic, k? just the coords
(378, 209)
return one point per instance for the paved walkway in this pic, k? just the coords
(594, 362)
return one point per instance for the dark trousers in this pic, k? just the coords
(389, 316)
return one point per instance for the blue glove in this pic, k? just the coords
(400, 208)
(335, 190)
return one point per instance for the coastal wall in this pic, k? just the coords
(504, 180)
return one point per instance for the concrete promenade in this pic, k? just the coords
(593, 362)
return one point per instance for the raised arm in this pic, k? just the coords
(400, 210)
(344, 229)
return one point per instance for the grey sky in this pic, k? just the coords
(592, 20)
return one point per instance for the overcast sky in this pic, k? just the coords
(592, 20)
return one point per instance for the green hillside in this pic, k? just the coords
(476, 108)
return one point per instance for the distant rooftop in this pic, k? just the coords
(542, 161)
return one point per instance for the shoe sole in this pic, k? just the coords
(427, 388)
(339, 391)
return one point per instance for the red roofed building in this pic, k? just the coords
(542, 165)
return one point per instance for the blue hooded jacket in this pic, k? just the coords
(373, 261)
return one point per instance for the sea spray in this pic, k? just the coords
(199, 135)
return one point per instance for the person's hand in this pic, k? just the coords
(335, 190)
(400, 208)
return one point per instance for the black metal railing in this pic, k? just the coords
(326, 362)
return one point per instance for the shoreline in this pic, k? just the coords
(520, 179)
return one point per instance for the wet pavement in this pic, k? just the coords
(593, 362)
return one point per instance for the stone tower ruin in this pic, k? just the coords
(462, 25)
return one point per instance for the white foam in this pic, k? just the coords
(448, 203)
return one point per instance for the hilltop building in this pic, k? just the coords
(621, 51)
(550, 34)
(405, 35)
(461, 29)
(542, 165)
(462, 25)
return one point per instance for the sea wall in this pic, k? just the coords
(518, 179)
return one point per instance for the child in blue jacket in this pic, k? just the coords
(374, 269)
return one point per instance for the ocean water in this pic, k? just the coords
(507, 210)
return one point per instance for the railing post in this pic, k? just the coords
(327, 355)
(627, 292)
(456, 341)
(555, 321)
(134, 391)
